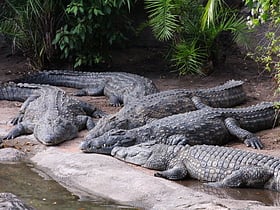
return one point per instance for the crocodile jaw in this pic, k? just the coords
(55, 131)
(91, 147)
(106, 142)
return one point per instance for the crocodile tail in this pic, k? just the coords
(16, 92)
(55, 77)
(226, 95)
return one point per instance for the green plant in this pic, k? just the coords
(194, 28)
(93, 28)
(31, 25)
(267, 53)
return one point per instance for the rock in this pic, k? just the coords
(11, 155)
(123, 183)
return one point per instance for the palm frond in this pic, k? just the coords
(211, 12)
(236, 25)
(162, 20)
(188, 58)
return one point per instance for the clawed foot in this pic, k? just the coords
(254, 142)
(17, 119)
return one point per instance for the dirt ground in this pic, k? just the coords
(259, 85)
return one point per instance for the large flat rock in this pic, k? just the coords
(104, 176)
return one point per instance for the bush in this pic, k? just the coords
(194, 30)
(267, 53)
(30, 25)
(79, 31)
(93, 27)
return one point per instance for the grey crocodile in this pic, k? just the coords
(9, 201)
(117, 86)
(139, 112)
(47, 112)
(220, 166)
(208, 125)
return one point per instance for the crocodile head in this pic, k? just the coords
(105, 143)
(54, 131)
(150, 154)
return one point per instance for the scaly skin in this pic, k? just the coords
(215, 126)
(48, 113)
(9, 201)
(220, 166)
(159, 105)
(119, 87)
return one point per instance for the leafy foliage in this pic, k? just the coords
(162, 19)
(194, 30)
(263, 11)
(93, 27)
(267, 53)
(31, 25)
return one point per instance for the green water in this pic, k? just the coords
(45, 194)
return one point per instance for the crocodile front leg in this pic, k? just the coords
(247, 137)
(178, 172)
(19, 117)
(115, 100)
(247, 176)
(91, 111)
(18, 130)
(85, 121)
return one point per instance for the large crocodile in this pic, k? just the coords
(141, 111)
(220, 166)
(205, 126)
(118, 86)
(47, 112)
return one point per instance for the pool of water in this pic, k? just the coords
(45, 194)
(268, 197)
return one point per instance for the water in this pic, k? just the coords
(45, 194)
(268, 197)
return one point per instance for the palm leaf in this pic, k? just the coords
(162, 20)
(211, 12)
(188, 58)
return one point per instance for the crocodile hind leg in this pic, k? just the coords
(198, 103)
(247, 137)
(247, 176)
(96, 90)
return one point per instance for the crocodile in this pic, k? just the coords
(47, 112)
(217, 165)
(139, 112)
(9, 201)
(119, 87)
(207, 125)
